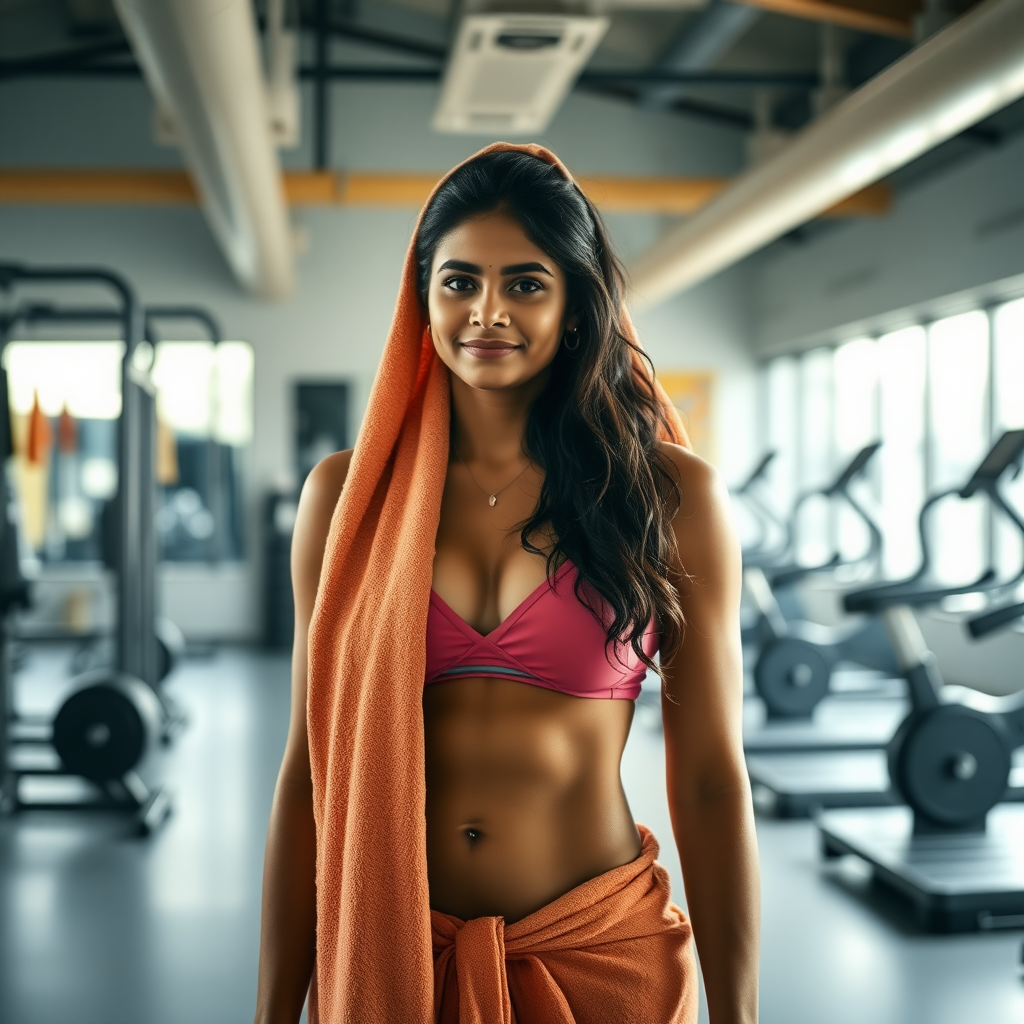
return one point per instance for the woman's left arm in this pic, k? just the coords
(708, 789)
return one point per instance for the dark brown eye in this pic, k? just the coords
(459, 284)
(528, 286)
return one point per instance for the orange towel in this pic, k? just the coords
(613, 946)
(40, 435)
(67, 432)
(367, 660)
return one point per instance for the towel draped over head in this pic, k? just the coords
(367, 659)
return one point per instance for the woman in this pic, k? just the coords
(485, 580)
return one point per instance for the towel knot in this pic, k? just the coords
(480, 967)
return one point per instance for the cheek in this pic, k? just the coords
(546, 325)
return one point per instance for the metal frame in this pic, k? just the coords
(136, 590)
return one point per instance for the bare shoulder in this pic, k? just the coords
(319, 498)
(703, 522)
(326, 480)
(700, 486)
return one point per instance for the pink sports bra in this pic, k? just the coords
(551, 639)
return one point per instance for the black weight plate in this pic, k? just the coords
(100, 732)
(170, 647)
(953, 765)
(792, 677)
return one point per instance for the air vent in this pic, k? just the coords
(511, 72)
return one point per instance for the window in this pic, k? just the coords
(902, 386)
(1008, 414)
(204, 412)
(856, 426)
(782, 432)
(958, 437)
(816, 460)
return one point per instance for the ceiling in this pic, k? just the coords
(775, 54)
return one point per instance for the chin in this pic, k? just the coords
(492, 380)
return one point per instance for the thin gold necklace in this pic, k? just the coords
(492, 497)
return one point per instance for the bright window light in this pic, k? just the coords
(85, 375)
(196, 386)
(958, 363)
(202, 390)
(182, 373)
(1008, 409)
(1008, 371)
(856, 425)
(782, 433)
(233, 385)
(817, 457)
(901, 376)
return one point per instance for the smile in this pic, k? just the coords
(482, 349)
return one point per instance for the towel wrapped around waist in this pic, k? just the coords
(614, 950)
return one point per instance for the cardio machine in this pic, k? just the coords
(106, 730)
(791, 784)
(956, 848)
(800, 705)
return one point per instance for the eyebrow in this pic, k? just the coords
(513, 268)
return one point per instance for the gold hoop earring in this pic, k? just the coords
(575, 332)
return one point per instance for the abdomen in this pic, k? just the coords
(524, 797)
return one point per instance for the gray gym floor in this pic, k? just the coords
(98, 927)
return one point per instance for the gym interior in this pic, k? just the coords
(204, 210)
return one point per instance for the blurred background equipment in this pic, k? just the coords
(104, 731)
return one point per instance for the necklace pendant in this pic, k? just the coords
(492, 500)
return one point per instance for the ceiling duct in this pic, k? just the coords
(202, 63)
(511, 72)
(950, 82)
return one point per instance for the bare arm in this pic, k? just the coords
(708, 789)
(288, 929)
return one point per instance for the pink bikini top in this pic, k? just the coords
(551, 639)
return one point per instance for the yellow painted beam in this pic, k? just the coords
(96, 187)
(671, 196)
(838, 14)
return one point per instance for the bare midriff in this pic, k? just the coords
(524, 795)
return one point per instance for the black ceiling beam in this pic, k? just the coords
(612, 78)
(387, 40)
(321, 91)
(345, 28)
(73, 64)
(63, 62)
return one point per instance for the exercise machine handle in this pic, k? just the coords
(757, 473)
(1007, 451)
(839, 488)
(855, 467)
(990, 621)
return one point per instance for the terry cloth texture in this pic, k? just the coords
(367, 659)
(612, 951)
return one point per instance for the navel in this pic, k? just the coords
(473, 835)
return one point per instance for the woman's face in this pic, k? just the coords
(496, 304)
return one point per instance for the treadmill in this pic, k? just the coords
(798, 784)
(848, 708)
(955, 851)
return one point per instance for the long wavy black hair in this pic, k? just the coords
(608, 495)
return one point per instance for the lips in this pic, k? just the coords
(484, 348)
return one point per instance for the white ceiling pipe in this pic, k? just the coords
(955, 79)
(202, 63)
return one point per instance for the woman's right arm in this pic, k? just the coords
(288, 928)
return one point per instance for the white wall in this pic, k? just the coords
(336, 323)
(961, 231)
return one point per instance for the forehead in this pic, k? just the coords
(493, 238)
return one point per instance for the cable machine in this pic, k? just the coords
(107, 728)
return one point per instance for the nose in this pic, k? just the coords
(490, 310)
